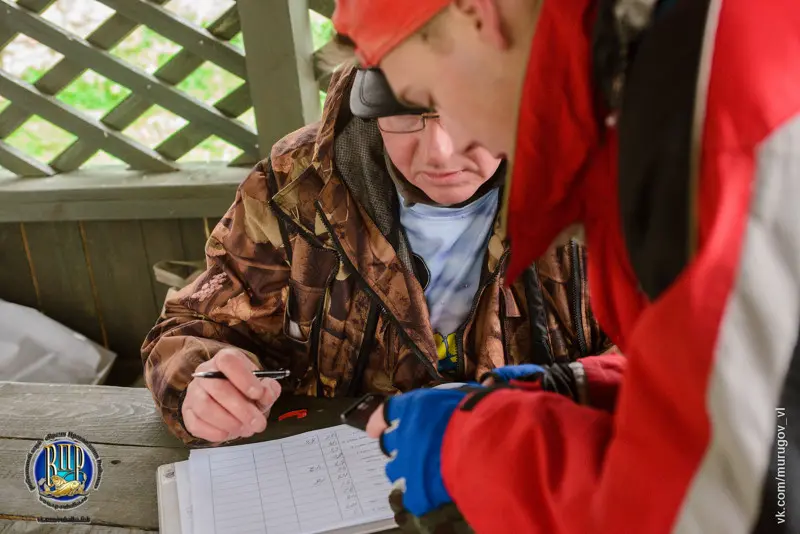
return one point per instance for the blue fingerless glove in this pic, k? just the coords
(417, 423)
(526, 371)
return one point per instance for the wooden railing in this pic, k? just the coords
(79, 243)
(278, 78)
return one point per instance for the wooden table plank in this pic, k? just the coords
(126, 497)
(127, 416)
(8, 526)
(100, 414)
(130, 438)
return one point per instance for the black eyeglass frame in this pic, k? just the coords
(424, 116)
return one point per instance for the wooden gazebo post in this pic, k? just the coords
(280, 67)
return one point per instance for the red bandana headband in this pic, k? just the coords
(377, 26)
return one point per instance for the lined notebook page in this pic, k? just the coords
(182, 478)
(314, 482)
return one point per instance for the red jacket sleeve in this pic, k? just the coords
(592, 381)
(598, 379)
(530, 481)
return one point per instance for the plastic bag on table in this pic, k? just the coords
(35, 348)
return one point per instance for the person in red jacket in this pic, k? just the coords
(670, 130)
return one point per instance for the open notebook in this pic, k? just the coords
(329, 480)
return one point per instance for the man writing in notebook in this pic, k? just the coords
(362, 257)
(671, 130)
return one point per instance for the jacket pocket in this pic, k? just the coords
(302, 310)
(311, 272)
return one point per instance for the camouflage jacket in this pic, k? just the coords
(309, 271)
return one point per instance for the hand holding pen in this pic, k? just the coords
(226, 400)
(277, 375)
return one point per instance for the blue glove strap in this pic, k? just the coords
(417, 423)
(515, 372)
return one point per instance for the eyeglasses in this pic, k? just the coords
(400, 124)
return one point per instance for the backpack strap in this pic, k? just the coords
(618, 28)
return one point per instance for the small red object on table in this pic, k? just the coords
(297, 414)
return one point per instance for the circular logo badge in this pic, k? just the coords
(63, 469)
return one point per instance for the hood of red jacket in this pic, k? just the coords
(558, 131)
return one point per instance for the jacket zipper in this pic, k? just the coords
(346, 261)
(577, 304)
(308, 236)
(504, 328)
(364, 352)
(542, 352)
(460, 363)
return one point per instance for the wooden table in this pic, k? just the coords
(130, 438)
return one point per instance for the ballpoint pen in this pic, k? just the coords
(277, 375)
